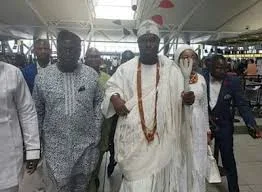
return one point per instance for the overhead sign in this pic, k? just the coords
(244, 55)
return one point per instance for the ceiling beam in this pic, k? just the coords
(91, 10)
(176, 30)
(116, 29)
(91, 15)
(39, 16)
(237, 14)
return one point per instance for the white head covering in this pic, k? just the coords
(148, 27)
(181, 50)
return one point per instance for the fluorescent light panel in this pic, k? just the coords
(114, 9)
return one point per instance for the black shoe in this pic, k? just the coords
(222, 171)
(236, 120)
(97, 182)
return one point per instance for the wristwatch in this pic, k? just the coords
(114, 94)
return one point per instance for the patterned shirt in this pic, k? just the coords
(69, 114)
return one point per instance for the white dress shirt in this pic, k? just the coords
(18, 125)
(215, 87)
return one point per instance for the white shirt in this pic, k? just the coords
(215, 87)
(18, 125)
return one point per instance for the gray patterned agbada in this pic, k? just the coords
(68, 106)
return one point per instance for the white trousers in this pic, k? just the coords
(12, 189)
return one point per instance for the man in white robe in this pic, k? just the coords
(18, 126)
(147, 93)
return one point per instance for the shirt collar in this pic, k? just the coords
(39, 67)
(213, 80)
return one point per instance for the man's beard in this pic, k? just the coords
(67, 65)
(148, 59)
(43, 62)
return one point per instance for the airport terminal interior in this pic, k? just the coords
(229, 31)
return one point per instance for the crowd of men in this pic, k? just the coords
(65, 116)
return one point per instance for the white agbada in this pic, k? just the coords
(149, 167)
(200, 126)
(18, 125)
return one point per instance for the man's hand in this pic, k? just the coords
(255, 131)
(119, 105)
(209, 137)
(188, 97)
(259, 133)
(31, 166)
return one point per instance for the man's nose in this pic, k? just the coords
(43, 50)
(68, 51)
(148, 44)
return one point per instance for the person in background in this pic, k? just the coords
(113, 65)
(221, 90)
(204, 63)
(18, 122)
(93, 59)
(126, 56)
(147, 95)
(20, 61)
(200, 124)
(42, 52)
(251, 68)
(242, 66)
(68, 102)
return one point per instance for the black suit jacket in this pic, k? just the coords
(230, 91)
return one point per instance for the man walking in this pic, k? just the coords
(18, 128)
(68, 100)
(221, 90)
(146, 94)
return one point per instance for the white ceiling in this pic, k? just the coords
(194, 19)
(16, 12)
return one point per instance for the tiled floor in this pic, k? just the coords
(248, 153)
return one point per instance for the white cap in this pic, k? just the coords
(148, 27)
(180, 50)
